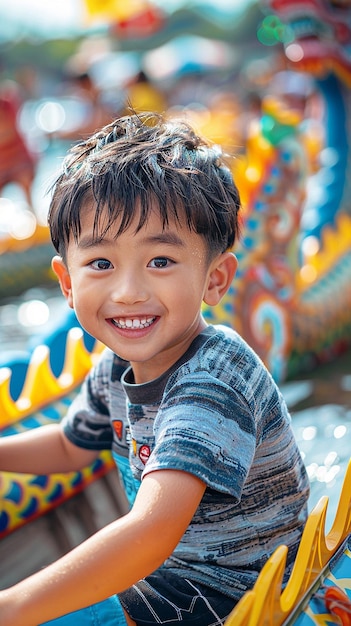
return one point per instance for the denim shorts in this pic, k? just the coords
(166, 598)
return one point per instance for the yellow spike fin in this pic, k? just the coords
(40, 385)
(8, 409)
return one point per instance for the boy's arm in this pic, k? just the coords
(114, 558)
(43, 450)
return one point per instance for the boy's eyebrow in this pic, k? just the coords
(164, 237)
(90, 242)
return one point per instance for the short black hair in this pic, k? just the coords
(140, 161)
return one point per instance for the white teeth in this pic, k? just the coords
(134, 323)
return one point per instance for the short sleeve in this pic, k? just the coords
(87, 423)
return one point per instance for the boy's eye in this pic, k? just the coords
(101, 264)
(160, 261)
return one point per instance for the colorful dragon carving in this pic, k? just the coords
(292, 296)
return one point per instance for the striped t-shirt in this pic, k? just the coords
(217, 414)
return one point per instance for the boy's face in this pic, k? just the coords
(141, 294)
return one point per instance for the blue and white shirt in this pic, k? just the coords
(217, 414)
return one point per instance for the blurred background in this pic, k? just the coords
(267, 80)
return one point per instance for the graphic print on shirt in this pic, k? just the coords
(118, 428)
(144, 453)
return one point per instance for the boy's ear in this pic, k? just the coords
(62, 273)
(222, 272)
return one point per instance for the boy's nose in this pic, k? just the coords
(129, 289)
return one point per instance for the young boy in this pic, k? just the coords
(143, 219)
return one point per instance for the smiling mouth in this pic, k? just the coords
(133, 323)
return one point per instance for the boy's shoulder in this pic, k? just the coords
(228, 343)
(220, 362)
(223, 353)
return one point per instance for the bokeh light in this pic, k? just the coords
(33, 313)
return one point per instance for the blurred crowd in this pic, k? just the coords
(224, 103)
